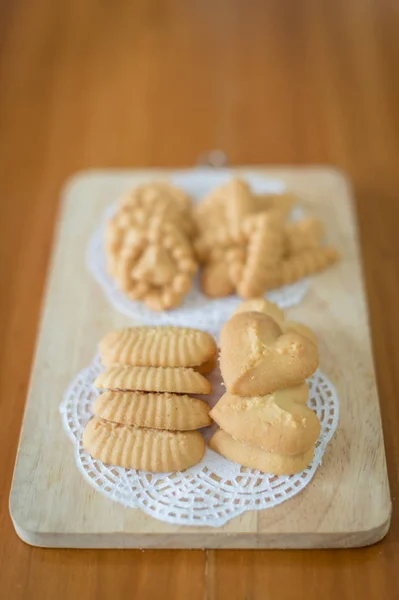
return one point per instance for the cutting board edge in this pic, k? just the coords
(217, 540)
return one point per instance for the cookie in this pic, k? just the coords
(215, 280)
(227, 204)
(305, 263)
(177, 380)
(211, 232)
(280, 422)
(235, 257)
(283, 203)
(263, 306)
(219, 217)
(209, 210)
(302, 235)
(160, 198)
(156, 411)
(154, 263)
(166, 346)
(268, 308)
(256, 458)
(239, 203)
(300, 328)
(264, 254)
(257, 358)
(140, 448)
(212, 246)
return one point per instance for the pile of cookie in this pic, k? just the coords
(246, 245)
(264, 421)
(144, 418)
(148, 245)
(156, 239)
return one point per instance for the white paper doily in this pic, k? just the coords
(210, 493)
(197, 310)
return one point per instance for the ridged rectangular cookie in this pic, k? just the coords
(157, 411)
(157, 347)
(177, 380)
(140, 448)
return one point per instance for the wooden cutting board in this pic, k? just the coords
(346, 504)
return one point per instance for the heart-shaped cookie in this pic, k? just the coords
(279, 422)
(256, 458)
(257, 358)
(268, 308)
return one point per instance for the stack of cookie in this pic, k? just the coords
(144, 419)
(246, 245)
(264, 421)
(149, 252)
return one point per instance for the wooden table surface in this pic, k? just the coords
(144, 83)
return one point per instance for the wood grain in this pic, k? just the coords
(347, 503)
(148, 83)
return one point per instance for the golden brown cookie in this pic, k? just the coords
(264, 254)
(140, 448)
(219, 217)
(263, 306)
(210, 211)
(235, 257)
(211, 236)
(257, 358)
(157, 411)
(283, 203)
(300, 328)
(268, 308)
(239, 203)
(305, 263)
(226, 206)
(178, 380)
(302, 235)
(153, 262)
(256, 458)
(213, 243)
(163, 346)
(279, 422)
(215, 280)
(160, 198)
